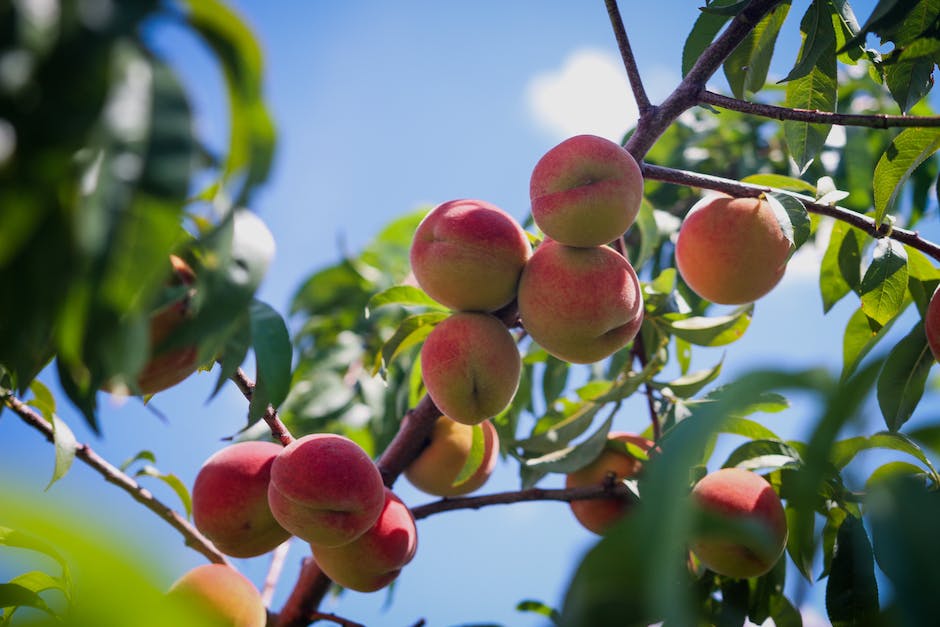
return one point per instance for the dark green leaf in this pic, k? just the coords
(902, 380)
(861, 335)
(410, 332)
(571, 458)
(703, 331)
(885, 17)
(405, 295)
(908, 150)
(562, 432)
(884, 285)
(271, 342)
(474, 457)
(706, 26)
(792, 216)
(891, 471)
(554, 379)
(746, 67)
(537, 607)
(760, 454)
(15, 595)
(852, 592)
(175, 484)
(819, 38)
(844, 451)
(801, 543)
(840, 270)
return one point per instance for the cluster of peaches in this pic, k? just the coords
(578, 299)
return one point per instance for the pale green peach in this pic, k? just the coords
(219, 596)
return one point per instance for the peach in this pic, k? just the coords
(325, 489)
(741, 495)
(586, 191)
(580, 304)
(598, 515)
(439, 464)
(375, 559)
(471, 366)
(221, 596)
(932, 324)
(230, 499)
(731, 251)
(468, 254)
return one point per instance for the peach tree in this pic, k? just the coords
(130, 258)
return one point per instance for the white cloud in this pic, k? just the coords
(589, 93)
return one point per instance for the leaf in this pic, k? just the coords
(704, 331)
(18, 539)
(562, 432)
(840, 269)
(474, 456)
(814, 90)
(273, 352)
(759, 454)
(65, 448)
(904, 154)
(891, 471)
(902, 379)
(858, 340)
(410, 332)
(706, 26)
(540, 608)
(175, 484)
(851, 591)
(909, 81)
(801, 545)
(690, 384)
(142, 455)
(883, 19)
(884, 285)
(571, 458)
(819, 39)
(649, 234)
(747, 65)
(15, 595)
(792, 216)
(779, 181)
(844, 451)
(554, 379)
(405, 295)
(748, 428)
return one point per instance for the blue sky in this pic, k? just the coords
(382, 107)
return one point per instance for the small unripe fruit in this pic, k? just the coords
(220, 596)
(741, 495)
(468, 254)
(230, 500)
(932, 324)
(325, 489)
(580, 304)
(731, 251)
(375, 559)
(586, 191)
(598, 515)
(471, 367)
(439, 464)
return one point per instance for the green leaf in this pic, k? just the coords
(38, 581)
(65, 448)
(909, 81)
(747, 428)
(537, 607)
(891, 471)
(851, 591)
(410, 332)
(706, 26)
(861, 335)
(562, 432)
(884, 285)
(792, 216)
(554, 379)
(819, 38)
(907, 150)
(760, 454)
(404, 295)
(779, 181)
(746, 67)
(844, 451)
(692, 383)
(18, 539)
(273, 352)
(15, 595)
(901, 382)
(814, 90)
(846, 27)
(474, 456)
(571, 458)
(840, 270)
(650, 237)
(141, 456)
(175, 484)
(801, 543)
(704, 331)
(883, 19)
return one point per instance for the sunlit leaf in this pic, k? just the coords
(904, 154)
(705, 331)
(901, 383)
(884, 286)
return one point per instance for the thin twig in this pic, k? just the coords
(192, 537)
(274, 572)
(333, 618)
(775, 112)
(309, 589)
(615, 490)
(643, 104)
(278, 429)
(736, 188)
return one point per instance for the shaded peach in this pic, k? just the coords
(325, 489)
(375, 559)
(743, 496)
(219, 596)
(598, 515)
(932, 324)
(471, 366)
(586, 191)
(731, 250)
(439, 464)
(580, 304)
(230, 499)
(467, 255)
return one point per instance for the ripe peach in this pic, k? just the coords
(221, 596)
(742, 495)
(598, 515)
(471, 366)
(580, 304)
(467, 255)
(230, 499)
(441, 461)
(325, 489)
(932, 324)
(375, 559)
(586, 191)
(731, 250)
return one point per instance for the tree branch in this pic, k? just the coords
(274, 572)
(775, 112)
(688, 93)
(333, 618)
(736, 188)
(613, 490)
(192, 537)
(278, 429)
(644, 106)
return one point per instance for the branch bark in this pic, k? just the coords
(278, 429)
(191, 536)
(643, 104)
